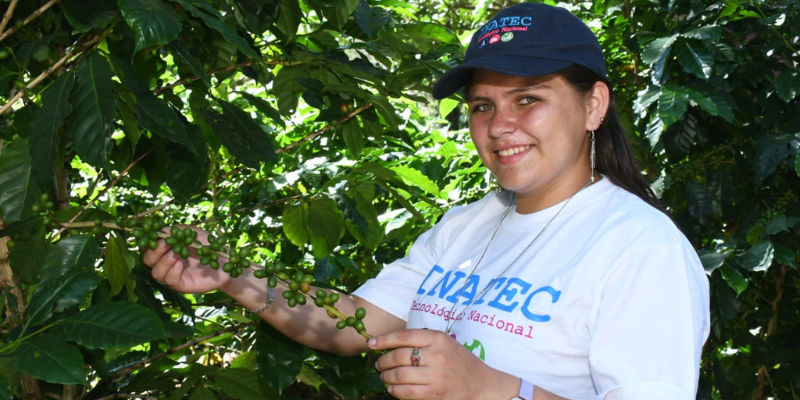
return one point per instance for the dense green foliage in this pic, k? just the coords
(303, 131)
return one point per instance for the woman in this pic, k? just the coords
(570, 284)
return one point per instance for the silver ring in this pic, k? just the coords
(415, 358)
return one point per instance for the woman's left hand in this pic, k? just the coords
(447, 370)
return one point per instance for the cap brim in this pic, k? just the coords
(458, 76)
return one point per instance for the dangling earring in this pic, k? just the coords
(592, 157)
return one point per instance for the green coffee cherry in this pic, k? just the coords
(341, 325)
(361, 313)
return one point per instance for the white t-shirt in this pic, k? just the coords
(610, 302)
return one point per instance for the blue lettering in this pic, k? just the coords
(496, 283)
(525, 21)
(514, 21)
(555, 294)
(509, 293)
(436, 269)
(468, 292)
(446, 284)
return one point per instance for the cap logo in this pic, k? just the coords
(503, 25)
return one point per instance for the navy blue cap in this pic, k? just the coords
(528, 39)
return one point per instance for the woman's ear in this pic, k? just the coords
(597, 105)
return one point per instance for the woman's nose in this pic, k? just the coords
(502, 122)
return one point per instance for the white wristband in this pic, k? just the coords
(525, 390)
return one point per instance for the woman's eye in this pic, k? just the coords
(528, 100)
(481, 107)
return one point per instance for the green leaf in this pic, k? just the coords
(424, 33)
(91, 123)
(69, 255)
(49, 120)
(363, 16)
(700, 203)
(771, 151)
(658, 48)
(190, 60)
(18, 189)
(758, 258)
(27, 258)
(117, 267)
(113, 325)
(695, 58)
(353, 137)
(385, 109)
(295, 224)
(705, 102)
(785, 256)
(446, 106)
(85, 15)
(326, 224)
(289, 18)
(58, 295)
(417, 178)
(709, 33)
(5, 389)
(287, 89)
(214, 22)
(265, 108)
(788, 85)
(51, 359)
(202, 393)
(243, 384)
(672, 103)
(240, 134)
(152, 22)
(186, 173)
(734, 278)
(279, 358)
(712, 259)
(158, 117)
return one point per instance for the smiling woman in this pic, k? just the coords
(571, 283)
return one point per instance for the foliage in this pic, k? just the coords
(302, 131)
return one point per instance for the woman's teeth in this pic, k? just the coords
(511, 152)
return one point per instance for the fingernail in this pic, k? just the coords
(371, 342)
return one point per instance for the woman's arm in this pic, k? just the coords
(307, 324)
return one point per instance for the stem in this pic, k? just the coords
(188, 79)
(9, 13)
(324, 129)
(49, 71)
(27, 20)
(182, 347)
(19, 341)
(107, 188)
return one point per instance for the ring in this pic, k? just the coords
(415, 357)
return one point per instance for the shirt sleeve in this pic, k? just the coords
(395, 287)
(650, 325)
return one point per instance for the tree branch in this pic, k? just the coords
(7, 16)
(27, 20)
(106, 189)
(184, 346)
(324, 129)
(49, 71)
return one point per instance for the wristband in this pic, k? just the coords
(270, 297)
(525, 391)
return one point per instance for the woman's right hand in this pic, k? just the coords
(185, 275)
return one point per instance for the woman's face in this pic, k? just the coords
(532, 134)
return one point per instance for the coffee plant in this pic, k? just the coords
(301, 135)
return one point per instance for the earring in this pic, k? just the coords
(592, 158)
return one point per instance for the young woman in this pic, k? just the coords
(572, 283)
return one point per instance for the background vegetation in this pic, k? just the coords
(303, 131)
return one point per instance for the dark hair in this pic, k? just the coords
(614, 157)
